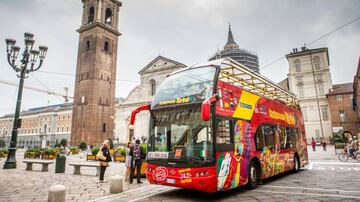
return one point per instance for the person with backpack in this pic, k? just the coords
(136, 153)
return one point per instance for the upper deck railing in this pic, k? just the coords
(239, 75)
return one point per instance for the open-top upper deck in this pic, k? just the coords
(237, 74)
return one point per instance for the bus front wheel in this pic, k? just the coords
(252, 175)
(296, 163)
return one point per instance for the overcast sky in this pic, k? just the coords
(188, 31)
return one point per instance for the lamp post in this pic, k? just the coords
(28, 56)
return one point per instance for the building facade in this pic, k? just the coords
(42, 126)
(341, 108)
(94, 96)
(243, 56)
(310, 79)
(151, 76)
(356, 95)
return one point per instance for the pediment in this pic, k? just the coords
(160, 63)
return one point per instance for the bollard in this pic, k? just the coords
(116, 184)
(57, 193)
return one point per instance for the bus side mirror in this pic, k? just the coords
(206, 106)
(136, 111)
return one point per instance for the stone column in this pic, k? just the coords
(57, 193)
(116, 20)
(83, 15)
(99, 11)
(116, 184)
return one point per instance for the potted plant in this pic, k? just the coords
(33, 153)
(83, 146)
(92, 156)
(120, 154)
(3, 153)
(52, 153)
(74, 150)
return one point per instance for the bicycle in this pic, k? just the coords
(344, 155)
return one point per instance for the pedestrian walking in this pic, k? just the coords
(313, 143)
(128, 161)
(104, 158)
(323, 143)
(136, 153)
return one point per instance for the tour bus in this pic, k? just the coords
(218, 125)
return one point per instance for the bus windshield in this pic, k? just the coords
(189, 86)
(180, 135)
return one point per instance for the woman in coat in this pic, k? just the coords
(104, 159)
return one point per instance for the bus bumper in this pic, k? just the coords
(201, 179)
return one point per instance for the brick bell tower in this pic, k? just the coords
(94, 96)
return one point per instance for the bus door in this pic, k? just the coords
(292, 142)
(282, 139)
(269, 155)
(225, 162)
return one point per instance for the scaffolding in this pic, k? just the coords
(241, 76)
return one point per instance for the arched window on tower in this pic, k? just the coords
(297, 65)
(108, 17)
(87, 45)
(106, 46)
(153, 86)
(91, 15)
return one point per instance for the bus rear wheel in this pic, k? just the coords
(252, 175)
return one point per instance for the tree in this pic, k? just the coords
(2, 143)
(82, 146)
(63, 142)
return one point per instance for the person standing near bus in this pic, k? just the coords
(128, 161)
(323, 143)
(104, 158)
(136, 153)
(313, 143)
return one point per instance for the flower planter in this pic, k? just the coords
(90, 157)
(74, 152)
(52, 156)
(119, 158)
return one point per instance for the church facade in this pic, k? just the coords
(151, 77)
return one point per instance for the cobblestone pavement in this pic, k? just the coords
(325, 179)
(21, 185)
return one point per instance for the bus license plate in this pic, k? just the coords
(158, 155)
(170, 181)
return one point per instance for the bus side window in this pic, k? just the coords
(293, 137)
(284, 138)
(288, 137)
(223, 132)
(269, 135)
(259, 138)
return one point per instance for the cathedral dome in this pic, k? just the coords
(243, 56)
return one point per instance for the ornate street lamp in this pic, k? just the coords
(28, 56)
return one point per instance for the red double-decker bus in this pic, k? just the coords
(217, 126)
